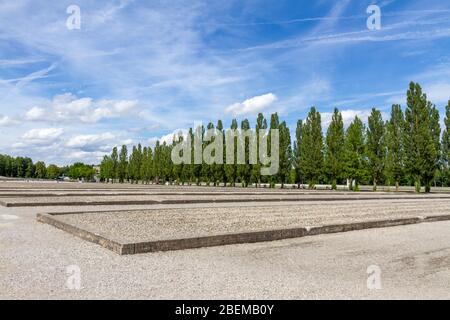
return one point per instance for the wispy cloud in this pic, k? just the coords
(68, 107)
(17, 62)
(6, 121)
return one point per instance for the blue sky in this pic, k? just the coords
(137, 71)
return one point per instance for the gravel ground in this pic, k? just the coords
(414, 261)
(120, 199)
(164, 224)
(68, 186)
(93, 186)
(87, 193)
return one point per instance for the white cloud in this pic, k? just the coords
(86, 156)
(88, 148)
(397, 99)
(35, 114)
(348, 116)
(43, 134)
(68, 107)
(6, 121)
(40, 137)
(91, 141)
(168, 138)
(252, 106)
(438, 93)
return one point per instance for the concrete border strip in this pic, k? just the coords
(212, 200)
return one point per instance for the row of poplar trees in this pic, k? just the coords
(407, 149)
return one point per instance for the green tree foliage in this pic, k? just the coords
(148, 173)
(189, 168)
(245, 170)
(298, 172)
(354, 158)
(19, 167)
(376, 151)
(134, 168)
(122, 169)
(158, 163)
(198, 135)
(435, 127)
(261, 124)
(178, 169)
(168, 165)
(274, 125)
(81, 171)
(421, 153)
(106, 169)
(311, 158)
(445, 156)
(231, 169)
(284, 171)
(219, 169)
(208, 169)
(53, 172)
(40, 170)
(115, 165)
(334, 148)
(408, 148)
(395, 160)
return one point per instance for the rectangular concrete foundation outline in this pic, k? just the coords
(124, 248)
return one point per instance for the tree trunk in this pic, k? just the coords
(427, 186)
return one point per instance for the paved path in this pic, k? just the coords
(414, 262)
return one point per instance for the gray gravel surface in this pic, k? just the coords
(213, 192)
(163, 224)
(414, 260)
(68, 186)
(130, 199)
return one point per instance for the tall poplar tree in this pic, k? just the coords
(115, 164)
(297, 153)
(445, 156)
(436, 133)
(189, 168)
(395, 146)
(261, 124)
(354, 157)
(274, 124)
(41, 170)
(219, 169)
(285, 160)
(334, 148)
(376, 151)
(311, 159)
(197, 167)
(420, 145)
(157, 163)
(231, 168)
(245, 170)
(208, 169)
(123, 164)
